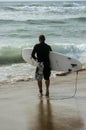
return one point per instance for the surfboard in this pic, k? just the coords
(58, 61)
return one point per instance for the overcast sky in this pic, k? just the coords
(42, 0)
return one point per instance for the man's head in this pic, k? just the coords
(41, 38)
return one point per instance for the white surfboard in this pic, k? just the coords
(58, 61)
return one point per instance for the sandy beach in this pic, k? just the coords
(22, 109)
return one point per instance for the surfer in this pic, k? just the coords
(40, 53)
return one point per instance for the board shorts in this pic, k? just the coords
(42, 71)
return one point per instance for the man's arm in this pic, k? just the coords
(33, 53)
(50, 48)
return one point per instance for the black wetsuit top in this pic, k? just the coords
(42, 51)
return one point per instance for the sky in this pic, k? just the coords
(42, 0)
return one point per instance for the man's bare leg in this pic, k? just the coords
(47, 82)
(40, 88)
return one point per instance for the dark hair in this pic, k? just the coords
(42, 38)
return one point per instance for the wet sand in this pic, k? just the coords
(22, 109)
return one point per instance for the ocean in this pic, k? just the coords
(63, 24)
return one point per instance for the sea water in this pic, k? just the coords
(63, 24)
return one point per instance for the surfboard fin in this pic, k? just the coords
(69, 70)
(74, 65)
(69, 58)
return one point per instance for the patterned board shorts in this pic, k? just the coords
(39, 71)
(42, 71)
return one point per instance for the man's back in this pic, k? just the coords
(42, 50)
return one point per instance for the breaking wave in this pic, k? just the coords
(10, 55)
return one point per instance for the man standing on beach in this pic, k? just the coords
(41, 54)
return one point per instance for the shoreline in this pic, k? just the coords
(53, 75)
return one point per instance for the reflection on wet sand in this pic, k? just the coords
(45, 116)
(48, 117)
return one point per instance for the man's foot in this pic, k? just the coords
(40, 94)
(47, 94)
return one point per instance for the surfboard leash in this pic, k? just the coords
(75, 91)
(76, 81)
